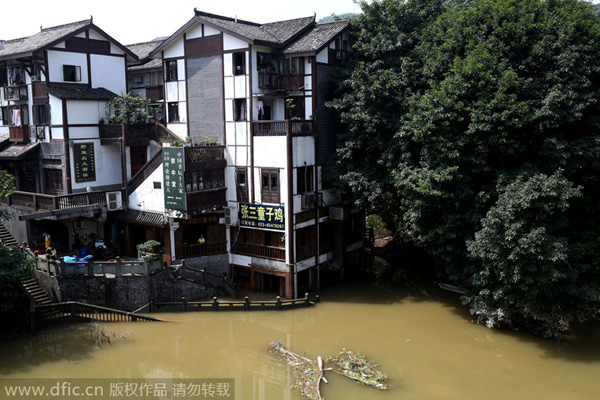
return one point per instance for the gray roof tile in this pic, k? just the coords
(317, 37)
(41, 39)
(66, 93)
(143, 50)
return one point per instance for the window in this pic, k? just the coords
(270, 185)
(41, 115)
(71, 73)
(173, 112)
(15, 76)
(157, 185)
(241, 184)
(239, 110)
(239, 63)
(5, 116)
(305, 179)
(171, 70)
(3, 77)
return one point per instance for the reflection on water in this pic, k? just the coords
(423, 340)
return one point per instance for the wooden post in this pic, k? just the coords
(184, 304)
(90, 267)
(278, 303)
(318, 298)
(151, 305)
(246, 303)
(146, 267)
(306, 299)
(215, 304)
(224, 279)
(118, 267)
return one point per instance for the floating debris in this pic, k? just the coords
(356, 366)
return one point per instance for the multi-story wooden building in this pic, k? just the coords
(54, 89)
(250, 100)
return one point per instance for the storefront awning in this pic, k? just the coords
(142, 218)
(19, 151)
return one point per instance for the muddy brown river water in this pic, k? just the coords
(425, 342)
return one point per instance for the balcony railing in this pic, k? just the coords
(250, 249)
(199, 250)
(207, 200)
(281, 128)
(15, 93)
(307, 251)
(154, 93)
(46, 202)
(267, 80)
(18, 133)
(135, 135)
(204, 157)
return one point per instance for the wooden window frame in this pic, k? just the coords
(71, 73)
(269, 193)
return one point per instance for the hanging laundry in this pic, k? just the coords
(16, 116)
(260, 105)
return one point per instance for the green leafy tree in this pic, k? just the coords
(14, 266)
(466, 109)
(129, 109)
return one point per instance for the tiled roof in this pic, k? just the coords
(142, 218)
(316, 38)
(143, 50)
(80, 94)
(18, 151)
(274, 32)
(41, 39)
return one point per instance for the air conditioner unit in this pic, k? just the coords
(139, 78)
(311, 200)
(114, 201)
(231, 216)
(34, 79)
(338, 213)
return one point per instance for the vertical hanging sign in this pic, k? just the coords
(173, 176)
(84, 162)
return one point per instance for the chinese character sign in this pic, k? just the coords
(84, 162)
(173, 176)
(262, 216)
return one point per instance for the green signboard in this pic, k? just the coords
(84, 162)
(262, 216)
(173, 177)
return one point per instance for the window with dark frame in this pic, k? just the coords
(171, 70)
(239, 109)
(305, 179)
(173, 112)
(41, 114)
(270, 185)
(53, 181)
(241, 184)
(71, 73)
(239, 63)
(3, 77)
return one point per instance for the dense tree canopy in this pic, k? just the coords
(477, 124)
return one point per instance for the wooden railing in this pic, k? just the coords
(165, 135)
(206, 200)
(204, 157)
(117, 268)
(18, 133)
(201, 276)
(249, 249)
(267, 80)
(243, 305)
(198, 250)
(281, 128)
(15, 93)
(38, 201)
(73, 311)
(134, 135)
(145, 172)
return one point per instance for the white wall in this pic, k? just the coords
(270, 151)
(109, 72)
(194, 32)
(56, 60)
(174, 49)
(149, 198)
(304, 153)
(323, 56)
(233, 43)
(83, 112)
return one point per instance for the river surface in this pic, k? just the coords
(423, 340)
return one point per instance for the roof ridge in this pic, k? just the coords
(288, 20)
(88, 21)
(148, 42)
(347, 20)
(237, 20)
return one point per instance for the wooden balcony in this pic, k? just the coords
(46, 202)
(154, 93)
(19, 134)
(134, 135)
(250, 249)
(15, 93)
(199, 250)
(267, 80)
(207, 200)
(204, 157)
(282, 128)
(291, 82)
